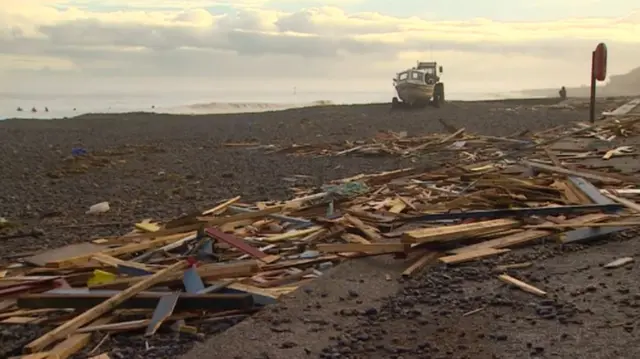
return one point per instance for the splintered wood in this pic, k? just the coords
(486, 197)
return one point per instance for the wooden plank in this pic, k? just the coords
(19, 320)
(74, 343)
(147, 226)
(529, 235)
(522, 285)
(354, 238)
(216, 221)
(146, 300)
(27, 313)
(221, 207)
(368, 231)
(635, 207)
(472, 255)
(237, 243)
(423, 261)
(459, 231)
(371, 248)
(506, 241)
(101, 309)
(115, 252)
(41, 355)
(116, 327)
(70, 251)
(292, 234)
(207, 272)
(564, 171)
(165, 308)
(115, 262)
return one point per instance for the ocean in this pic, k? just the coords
(61, 104)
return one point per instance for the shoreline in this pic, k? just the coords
(524, 101)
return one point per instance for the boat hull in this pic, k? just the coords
(414, 93)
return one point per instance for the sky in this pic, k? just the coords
(328, 44)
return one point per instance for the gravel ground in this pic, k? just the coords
(160, 166)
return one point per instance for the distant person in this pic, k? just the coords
(74, 108)
(46, 109)
(19, 109)
(33, 109)
(563, 93)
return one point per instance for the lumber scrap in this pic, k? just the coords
(522, 285)
(454, 232)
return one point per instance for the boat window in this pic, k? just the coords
(415, 75)
(403, 75)
(430, 71)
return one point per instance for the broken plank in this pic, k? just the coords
(528, 235)
(372, 248)
(367, 230)
(564, 171)
(519, 212)
(216, 221)
(459, 231)
(207, 271)
(147, 300)
(522, 285)
(424, 260)
(237, 243)
(75, 342)
(115, 262)
(221, 207)
(292, 234)
(472, 255)
(101, 309)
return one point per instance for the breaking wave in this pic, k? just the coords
(238, 107)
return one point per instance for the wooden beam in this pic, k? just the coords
(552, 169)
(472, 255)
(424, 260)
(459, 231)
(101, 309)
(146, 300)
(368, 231)
(74, 343)
(207, 271)
(372, 248)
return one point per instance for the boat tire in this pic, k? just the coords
(395, 103)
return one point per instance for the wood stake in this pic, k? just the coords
(522, 285)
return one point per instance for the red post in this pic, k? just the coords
(592, 104)
(598, 73)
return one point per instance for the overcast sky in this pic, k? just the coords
(500, 44)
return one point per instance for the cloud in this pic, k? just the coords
(254, 39)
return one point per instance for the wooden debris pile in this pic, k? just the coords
(230, 260)
(457, 144)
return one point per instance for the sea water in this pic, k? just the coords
(65, 105)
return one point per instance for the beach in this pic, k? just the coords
(161, 166)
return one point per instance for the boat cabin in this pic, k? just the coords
(418, 76)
